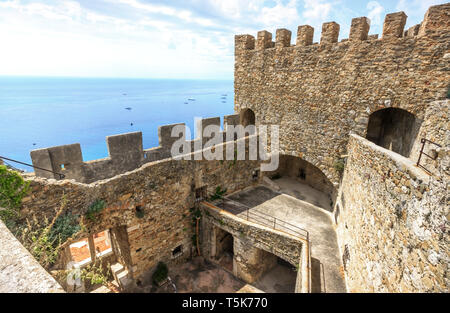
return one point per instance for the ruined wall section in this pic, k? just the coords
(392, 221)
(165, 192)
(125, 153)
(249, 262)
(319, 92)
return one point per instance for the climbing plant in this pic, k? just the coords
(44, 238)
(196, 216)
(12, 190)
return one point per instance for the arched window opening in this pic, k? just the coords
(247, 117)
(393, 129)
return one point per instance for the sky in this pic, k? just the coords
(179, 39)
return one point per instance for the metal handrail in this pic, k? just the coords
(298, 231)
(299, 234)
(423, 141)
(61, 176)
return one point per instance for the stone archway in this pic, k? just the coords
(394, 129)
(305, 181)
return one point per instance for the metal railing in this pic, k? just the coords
(253, 215)
(423, 141)
(61, 176)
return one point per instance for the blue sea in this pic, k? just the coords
(44, 112)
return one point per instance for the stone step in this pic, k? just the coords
(102, 289)
(121, 276)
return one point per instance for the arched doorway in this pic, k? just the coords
(247, 117)
(304, 181)
(394, 129)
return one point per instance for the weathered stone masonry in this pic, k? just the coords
(319, 93)
(125, 152)
(392, 217)
(164, 189)
(393, 222)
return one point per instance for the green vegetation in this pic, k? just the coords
(94, 209)
(339, 166)
(218, 194)
(160, 273)
(12, 190)
(95, 274)
(66, 225)
(448, 92)
(44, 240)
(196, 216)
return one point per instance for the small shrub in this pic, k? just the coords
(160, 273)
(218, 194)
(96, 207)
(448, 92)
(339, 166)
(65, 227)
(38, 240)
(95, 274)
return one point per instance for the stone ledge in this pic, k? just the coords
(19, 271)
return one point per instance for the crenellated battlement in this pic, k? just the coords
(436, 19)
(125, 152)
(318, 92)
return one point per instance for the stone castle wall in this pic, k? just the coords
(393, 221)
(164, 190)
(125, 152)
(255, 246)
(320, 92)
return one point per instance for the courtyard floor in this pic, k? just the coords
(200, 276)
(304, 207)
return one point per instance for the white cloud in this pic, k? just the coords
(280, 14)
(376, 12)
(184, 15)
(63, 10)
(316, 11)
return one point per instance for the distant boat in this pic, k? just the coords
(191, 99)
(131, 124)
(223, 98)
(129, 109)
(224, 102)
(124, 94)
(186, 102)
(224, 95)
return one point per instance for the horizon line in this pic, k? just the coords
(112, 77)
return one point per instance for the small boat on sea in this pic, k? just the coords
(191, 99)
(128, 108)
